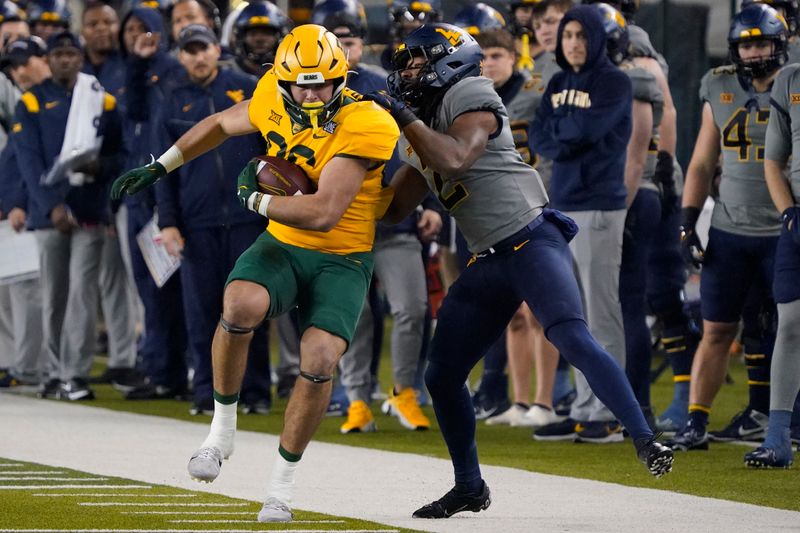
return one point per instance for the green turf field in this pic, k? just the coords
(718, 473)
(40, 497)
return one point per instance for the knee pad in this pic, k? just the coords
(315, 378)
(233, 329)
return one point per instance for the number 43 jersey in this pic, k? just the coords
(744, 206)
(499, 194)
(359, 130)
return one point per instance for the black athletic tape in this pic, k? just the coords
(234, 330)
(314, 378)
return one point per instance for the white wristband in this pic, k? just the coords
(258, 202)
(171, 159)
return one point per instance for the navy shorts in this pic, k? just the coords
(786, 287)
(732, 265)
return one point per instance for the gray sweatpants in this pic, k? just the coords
(70, 266)
(24, 308)
(399, 268)
(785, 370)
(119, 305)
(597, 249)
(6, 328)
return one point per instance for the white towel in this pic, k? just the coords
(81, 142)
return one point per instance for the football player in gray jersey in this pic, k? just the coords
(744, 224)
(783, 141)
(457, 142)
(790, 10)
(643, 200)
(526, 342)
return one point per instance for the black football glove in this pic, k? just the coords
(400, 112)
(691, 247)
(137, 179)
(791, 219)
(247, 189)
(665, 180)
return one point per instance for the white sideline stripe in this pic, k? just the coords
(147, 504)
(194, 530)
(250, 521)
(117, 495)
(11, 465)
(40, 487)
(31, 473)
(193, 513)
(35, 478)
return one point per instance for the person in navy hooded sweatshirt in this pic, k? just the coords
(583, 124)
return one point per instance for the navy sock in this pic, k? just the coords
(605, 377)
(698, 416)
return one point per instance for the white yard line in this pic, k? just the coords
(195, 530)
(154, 504)
(36, 478)
(373, 485)
(41, 487)
(193, 513)
(12, 465)
(30, 473)
(112, 495)
(251, 521)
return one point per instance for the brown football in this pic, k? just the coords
(279, 177)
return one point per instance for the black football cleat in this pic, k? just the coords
(655, 456)
(455, 502)
(689, 438)
(763, 457)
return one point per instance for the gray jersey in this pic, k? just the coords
(640, 46)
(646, 89)
(499, 194)
(521, 110)
(543, 165)
(794, 51)
(744, 206)
(540, 61)
(783, 131)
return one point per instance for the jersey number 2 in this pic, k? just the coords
(456, 196)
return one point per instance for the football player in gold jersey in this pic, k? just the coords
(317, 251)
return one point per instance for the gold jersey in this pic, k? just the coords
(360, 129)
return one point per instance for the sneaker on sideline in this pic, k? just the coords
(455, 502)
(689, 438)
(539, 416)
(599, 432)
(513, 416)
(405, 407)
(75, 390)
(749, 425)
(49, 389)
(275, 510)
(486, 407)
(257, 407)
(204, 407)
(205, 464)
(565, 430)
(359, 419)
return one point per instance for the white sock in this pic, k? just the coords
(223, 428)
(281, 483)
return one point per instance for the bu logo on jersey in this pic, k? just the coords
(571, 97)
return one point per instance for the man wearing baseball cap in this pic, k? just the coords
(69, 216)
(200, 220)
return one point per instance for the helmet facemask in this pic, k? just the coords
(313, 115)
(759, 68)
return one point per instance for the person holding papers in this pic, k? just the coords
(67, 137)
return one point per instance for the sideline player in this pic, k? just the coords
(520, 248)
(317, 251)
(744, 225)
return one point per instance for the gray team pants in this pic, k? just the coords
(597, 249)
(399, 268)
(6, 329)
(70, 266)
(118, 303)
(22, 304)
